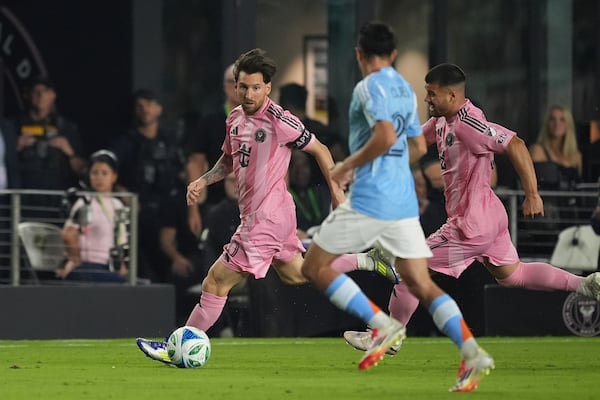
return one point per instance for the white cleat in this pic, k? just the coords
(361, 340)
(472, 371)
(590, 286)
(381, 340)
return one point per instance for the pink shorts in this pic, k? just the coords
(453, 253)
(259, 239)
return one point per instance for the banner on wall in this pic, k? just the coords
(20, 61)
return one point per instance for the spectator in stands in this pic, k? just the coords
(9, 163)
(555, 153)
(292, 97)
(48, 146)
(313, 201)
(558, 164)
(150, 165)
(595, 219)
(204, 141)
(221, 222)
(94, 233)
(9, 179)
(186, 261)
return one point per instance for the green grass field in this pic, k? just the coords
(325, 368)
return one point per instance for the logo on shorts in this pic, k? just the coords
(581, 315)
(260, 135)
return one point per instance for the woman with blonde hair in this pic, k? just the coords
(556, 150)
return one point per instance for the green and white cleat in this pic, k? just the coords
(382, 266)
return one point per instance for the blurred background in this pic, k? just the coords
(520, 56)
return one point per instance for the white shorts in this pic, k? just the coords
(348, 231)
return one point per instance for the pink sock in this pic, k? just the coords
(402, 303)
(345, 263)
(541, 276)
(206, 313)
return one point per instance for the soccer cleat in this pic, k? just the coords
(361, 340)
(381, 340)
(590, 286)
(472, 371)
(382, 266)
(154, 349)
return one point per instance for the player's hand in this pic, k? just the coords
(195, 190)
(342, 175)
(532, 206)
(61, 143)
(182, 266)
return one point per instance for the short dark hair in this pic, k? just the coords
(40, 80)
(145, 94)
(293, 95)
(254, 61)
(376, 39)
(446, 75)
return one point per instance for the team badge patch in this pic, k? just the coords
(581, 315)
(260, 135)
(449, 140)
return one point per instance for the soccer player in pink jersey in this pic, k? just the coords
(258, 145)
(477, 225)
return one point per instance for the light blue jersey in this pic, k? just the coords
(384, 188)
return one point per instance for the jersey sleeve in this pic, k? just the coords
(291, 131)
(226, 146)
(429, 130)
(484, 137)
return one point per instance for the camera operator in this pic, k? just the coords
(150, 165)
(48, 145)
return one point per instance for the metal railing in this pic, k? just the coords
(47, 206)
(536, 238)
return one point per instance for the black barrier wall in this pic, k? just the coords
(86, 312)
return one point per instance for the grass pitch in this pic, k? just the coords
(287, 369)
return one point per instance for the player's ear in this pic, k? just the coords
(268, 88)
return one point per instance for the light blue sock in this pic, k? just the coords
(347, 296)
(448, 318)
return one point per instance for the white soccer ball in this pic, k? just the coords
(188, 347)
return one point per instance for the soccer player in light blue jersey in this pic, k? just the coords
(382, 210)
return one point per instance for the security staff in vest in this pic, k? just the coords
(150, 163)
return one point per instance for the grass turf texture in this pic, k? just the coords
(297, 368)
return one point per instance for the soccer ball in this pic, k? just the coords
(188, 347)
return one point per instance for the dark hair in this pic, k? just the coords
(145, 94)
(107, 157)
(40, 80)
(446, 75)
(254, 61)
(376, 39)
(293, 95)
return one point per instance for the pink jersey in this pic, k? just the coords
(466, 145)
(261, 146)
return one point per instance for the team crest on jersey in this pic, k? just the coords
(260, 135)
(449, 140)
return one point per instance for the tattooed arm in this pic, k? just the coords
(221, 169)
